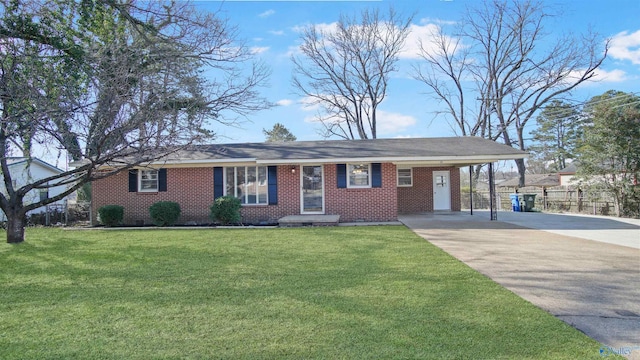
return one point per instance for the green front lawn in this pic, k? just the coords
(333, 293)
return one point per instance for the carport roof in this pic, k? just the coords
(445, 151)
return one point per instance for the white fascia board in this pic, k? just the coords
(197, 163)
(435, 160)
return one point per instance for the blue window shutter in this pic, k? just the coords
(133, 180)
(162, 180)
(272, 175)
(341, 170)
(218, 182)
(376, 175)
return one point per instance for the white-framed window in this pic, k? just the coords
(405, 177)
(358, 175)
(44, 194)
(148, 180)
(247, 183)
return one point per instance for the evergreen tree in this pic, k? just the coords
(279, 133)
(609, 152)
(559, 128)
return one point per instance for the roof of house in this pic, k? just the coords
(449, 151)
(570, 169)
(13, 161)
(539, 180)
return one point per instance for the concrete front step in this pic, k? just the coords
(309, 220)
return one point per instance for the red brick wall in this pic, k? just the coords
(419, 197)
(192, 188)
(288, 199)
(370, 204)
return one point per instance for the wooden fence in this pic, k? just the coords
(554, 200)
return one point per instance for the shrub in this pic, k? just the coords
(111, 215)
(164, 213)
(226, 210)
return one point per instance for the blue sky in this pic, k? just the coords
(271, 29)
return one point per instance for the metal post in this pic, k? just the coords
(471, 188)
(494, 213)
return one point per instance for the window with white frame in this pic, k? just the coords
(405, 177)
(148, 180)
(247, 183)
(359, 175)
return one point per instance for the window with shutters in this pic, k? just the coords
(247, 183)
(359, 175)
(148, 180)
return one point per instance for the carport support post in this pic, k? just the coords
(492, 191)
(471, 188)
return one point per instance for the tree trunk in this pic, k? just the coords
(15, 227)
(521, 170)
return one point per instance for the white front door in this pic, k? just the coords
(441, 191)
(312, 191)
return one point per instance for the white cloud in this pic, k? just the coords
(284, 102)
(259, 49)
(267, 13)
(308, 103)
(276, 32)
(320, 27)
(388, 122)
(625, 46)
(612, 76)
(425, 21)
(391, 123)
(427, 35)
(417, 33)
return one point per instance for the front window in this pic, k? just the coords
(247, 183)
(359, 175)
(148, 180)
(405, 177)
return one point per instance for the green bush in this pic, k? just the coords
(111, 215)
(226, 210)
(164, 213)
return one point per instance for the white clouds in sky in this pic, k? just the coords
(388, 122)
(391, 123)
(259, 49)
(417, 34)
(284, 102)
(626, 46)
(612, 76)
(267, 13)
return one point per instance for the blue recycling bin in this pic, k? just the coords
(515, 202)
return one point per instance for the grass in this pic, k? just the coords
(332, 293)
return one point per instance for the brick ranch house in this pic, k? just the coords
(359, 180)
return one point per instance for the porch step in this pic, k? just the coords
(309, 220)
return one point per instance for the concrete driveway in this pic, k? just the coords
(592, 285)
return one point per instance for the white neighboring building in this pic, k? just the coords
(24, 171)
(567, 175)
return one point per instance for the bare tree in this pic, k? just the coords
(115, 84)
(346, 71)
(502, 68)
